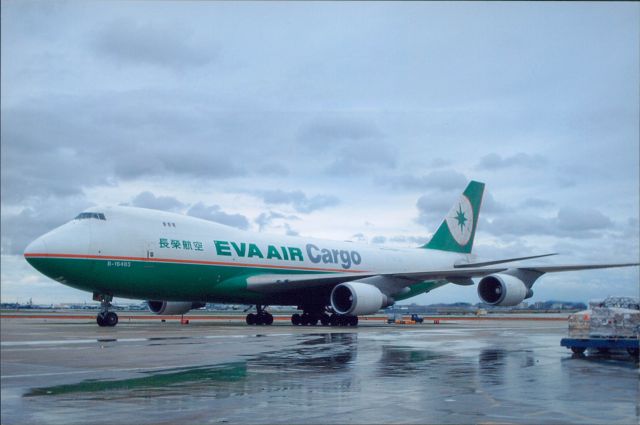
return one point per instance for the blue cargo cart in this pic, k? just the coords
(579, 345)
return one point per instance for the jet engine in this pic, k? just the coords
(172, 307)
(503, 289)
(356, 298)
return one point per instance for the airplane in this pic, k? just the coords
(179, 263)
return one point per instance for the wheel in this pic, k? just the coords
(268, 319)
(353, 320)
(305, 319)
(100, 320)
(334, 320)
(251, 319)
(633, 352)
(295, 319)
(110, 319)
(312, 320)
(578, 350)
(325, 319)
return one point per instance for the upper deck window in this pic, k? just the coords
(85, 215)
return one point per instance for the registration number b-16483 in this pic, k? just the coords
(118, 263)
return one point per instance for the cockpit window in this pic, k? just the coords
(85, 215)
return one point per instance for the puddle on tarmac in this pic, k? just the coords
(337, 378)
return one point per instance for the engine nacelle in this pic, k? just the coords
(355, 298)
(172, 307)
(503, 289)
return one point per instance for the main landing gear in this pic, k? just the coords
(311, 317)
(105, 317)
(261, 318)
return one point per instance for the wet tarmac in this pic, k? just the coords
(57, 372)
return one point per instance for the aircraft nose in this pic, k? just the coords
(34, 248)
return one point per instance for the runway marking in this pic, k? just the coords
(429, 331)
(70, 341)
(150, 339)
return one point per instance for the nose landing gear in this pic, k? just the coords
(105, 317)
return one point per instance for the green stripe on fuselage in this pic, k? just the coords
(148, 280)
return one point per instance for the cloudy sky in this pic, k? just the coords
(358, 121)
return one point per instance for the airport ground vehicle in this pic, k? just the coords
(580, 345)
(609, 324)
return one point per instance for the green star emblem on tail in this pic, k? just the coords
(462, 220)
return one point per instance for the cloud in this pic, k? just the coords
(215, 213)
(353, 145)
(444, 180)
(61, 145)
(328, 132)
(568, 222)
(149, 200)
(265, 220)
(290, 231)
(490, 206)
(101, 99)
(298, 200)
(174, 160)
(362, 157)
(432, 208)
(378, 239)
(494, 161)
(359, 237)
(42, 215)
(418, 240)
(536, 203)
(274, 169)
(133, 42)
(572, 219)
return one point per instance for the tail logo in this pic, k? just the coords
(460, 221)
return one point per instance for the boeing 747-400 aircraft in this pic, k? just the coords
(179, 263)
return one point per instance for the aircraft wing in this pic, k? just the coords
(293, 282)
(484, 271)
(568, 268)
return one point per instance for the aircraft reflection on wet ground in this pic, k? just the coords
(383, 376)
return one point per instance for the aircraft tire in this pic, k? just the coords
(578, 350)
(100, 320)
(353, 320)
(251, 319)
(325, 320)
(295, 319)
(268, 319)
(110, 319)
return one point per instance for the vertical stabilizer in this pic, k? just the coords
(458, 228)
